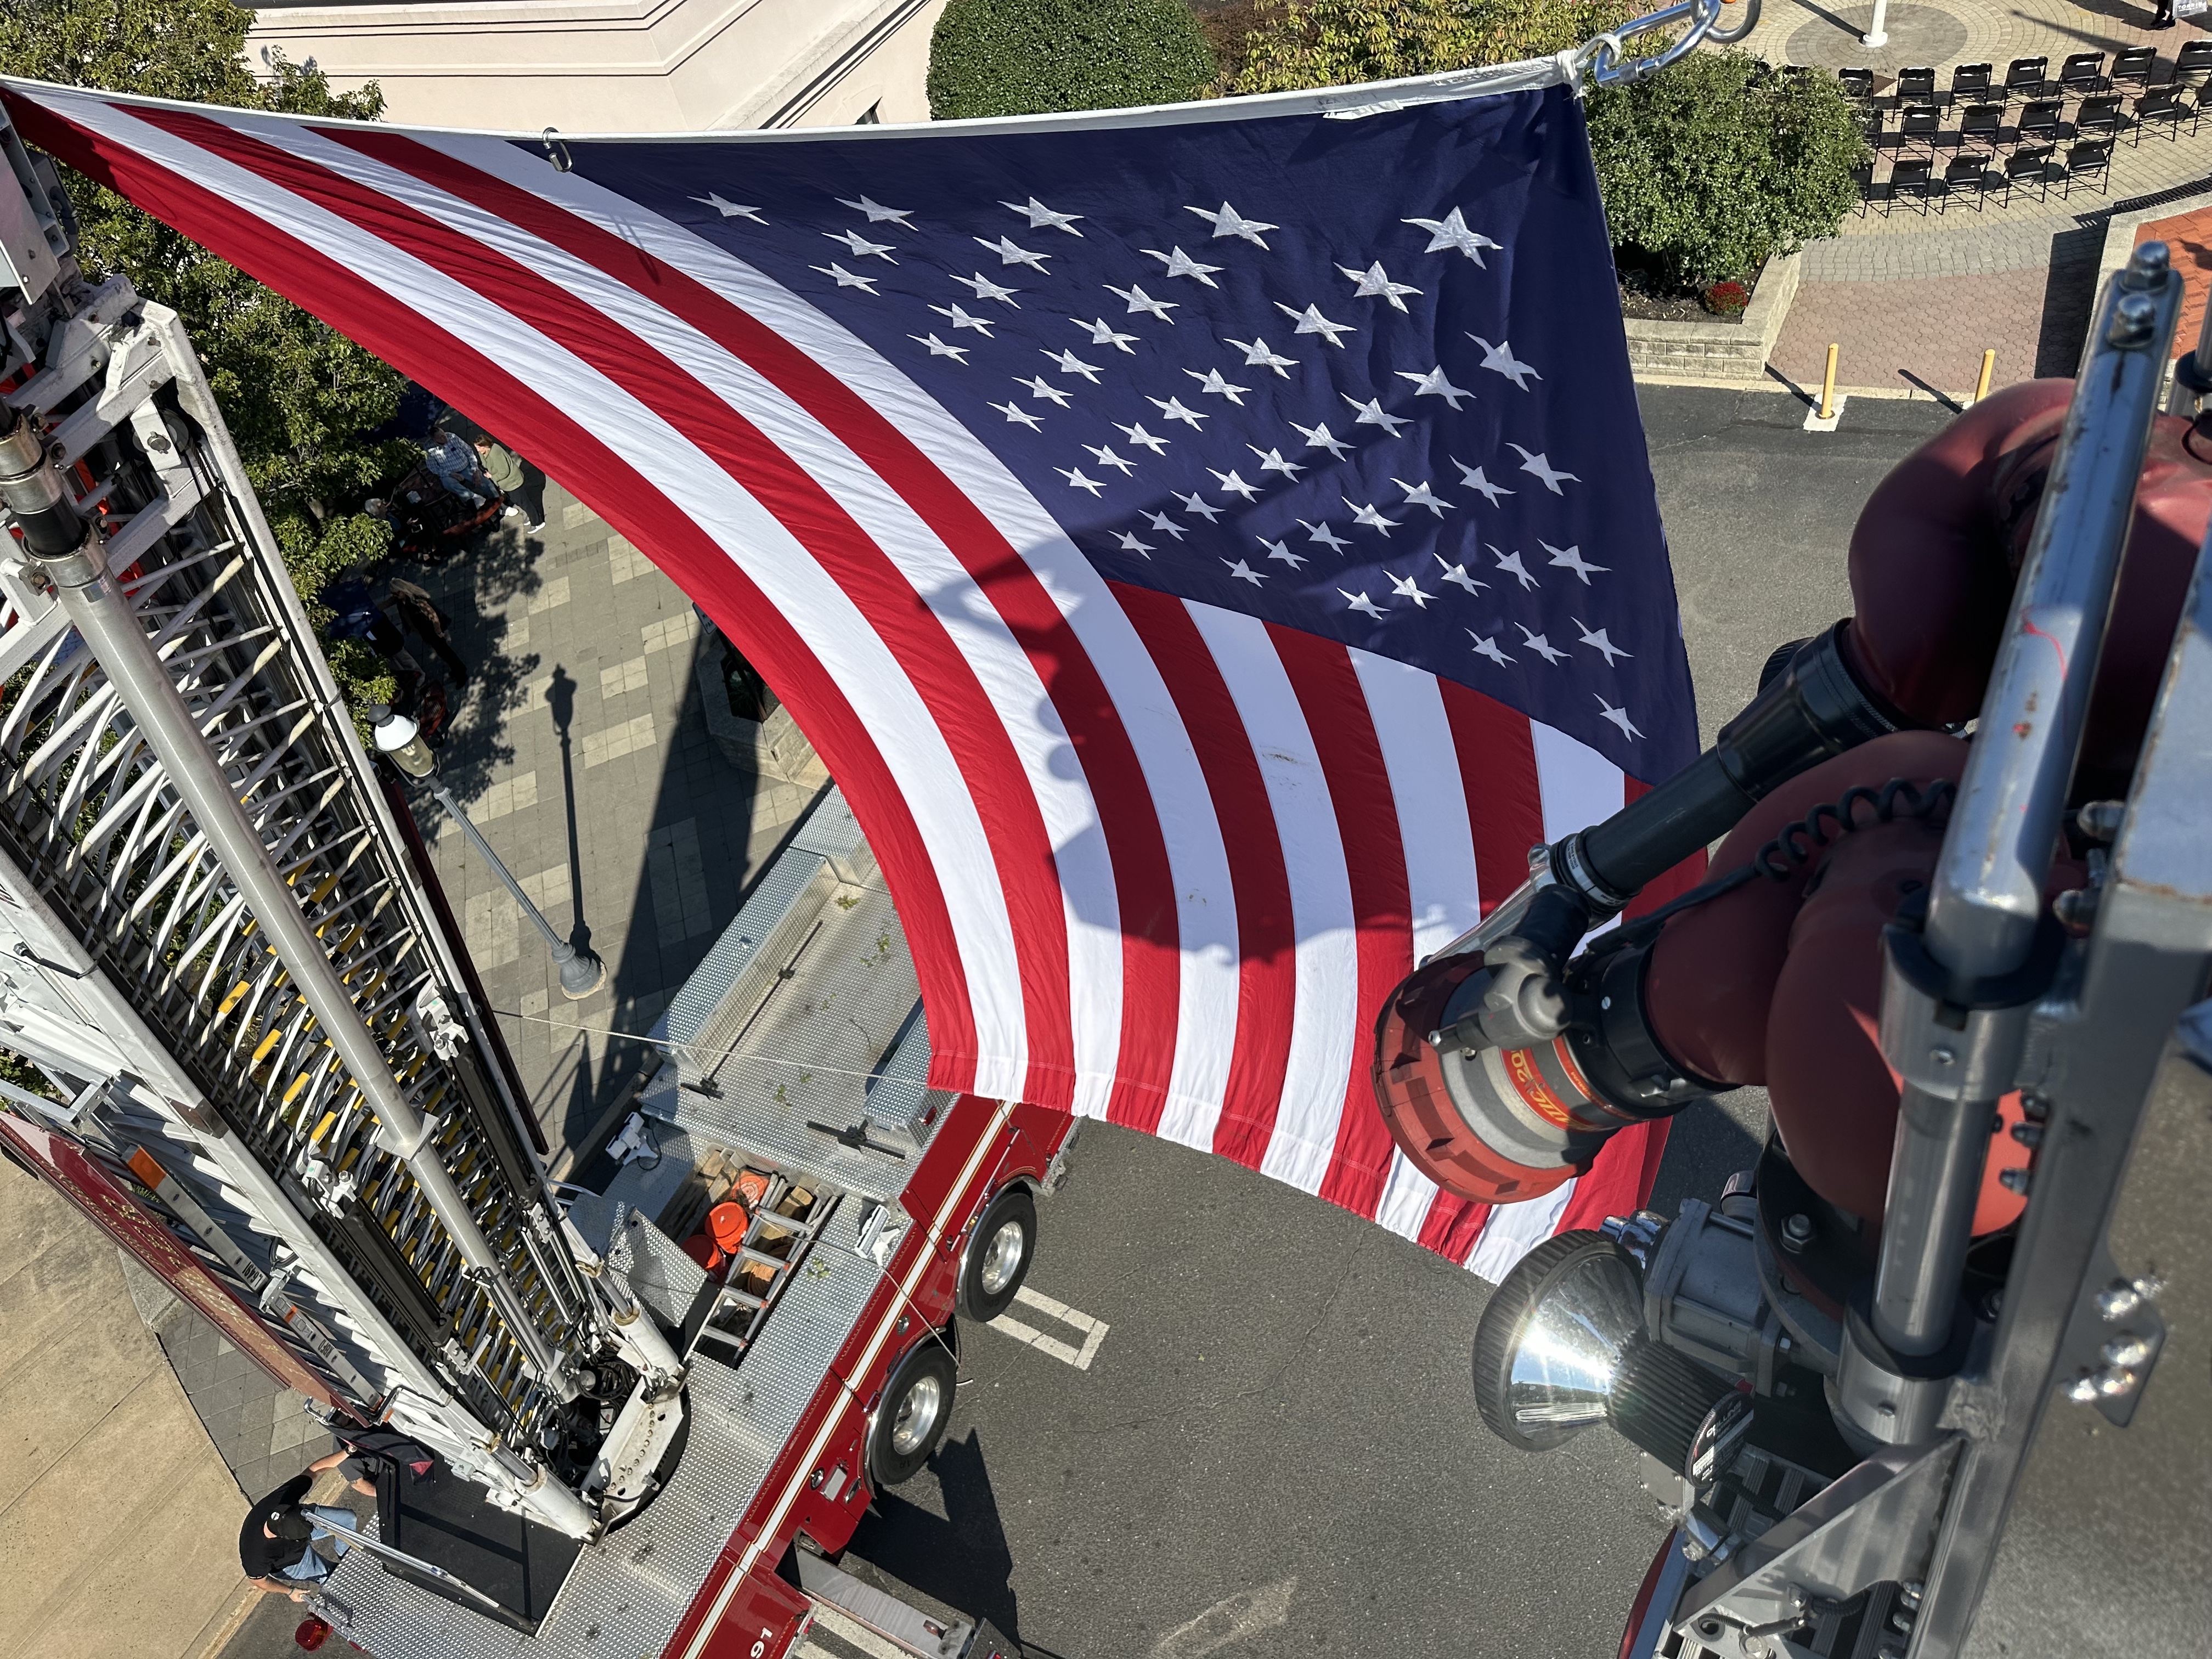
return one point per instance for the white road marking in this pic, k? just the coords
(1094, 1330)
(1229, 1622)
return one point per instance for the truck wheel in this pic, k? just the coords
(911, 1419)
(998, 1256)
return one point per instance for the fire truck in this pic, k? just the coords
(654, 1415)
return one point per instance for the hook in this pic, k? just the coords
(556, 150)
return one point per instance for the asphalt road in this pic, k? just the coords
(1274, 1450)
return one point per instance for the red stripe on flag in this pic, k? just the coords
(1504, 806)
(1266, 937)
(1022, 851)
(1144, 883)
(599, 479)
(1453, 1225)
(1327, 690)
(1620, 1178)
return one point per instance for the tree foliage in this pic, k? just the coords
(1325, 43)
(1030, 57)
(297, 395)
(1720, 161)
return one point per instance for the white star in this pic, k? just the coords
(1230, 222)
(1142, 439)
(860, 245)
(1434, 385)
(1129, 544)
(1320, 437)
(1473, 479)
(1102, 333)
(1105, 456)
(1406, 588)
(1068, 363)
(1420, 495)
(1198, 506)
(939, 349)
(1230, 484)
(962, 320)
(1211, 381)
(730, 209)
(1372, 414)
(1140, 301)
(1328, 539)
(1272, 460)
(1279, 550)
(1243, 572)
(1011, 255)
(1374, 282)
(1451, 232)
(1310, 321)
(1570, 558)
(1499, 358)
(985, 289)
(1172, 408)
(1361, 602)
(1618, 716)
(1041, 217)
(1162, 522)
(1368, 516)
(1598, 641)
(846, 279)
(1015, 412)
(1040, 387)
(1076, 480)
(1180, 263)
(877, 213)
(1510, 563)
(1259, 355)
(1457, 572)
(1489, 648)
(1541, 467)
(1542, 647)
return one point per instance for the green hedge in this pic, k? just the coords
(1030, 57)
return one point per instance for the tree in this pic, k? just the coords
(1030, 57)
(1325, 43)
(1714, 164)
(297, 395)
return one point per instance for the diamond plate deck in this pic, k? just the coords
(625, 1596)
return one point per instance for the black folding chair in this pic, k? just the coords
(2026, 77)
(2134, 66)
(2083, 72)
(1981, 124)
(1969, 81)
(1919, 124)
(1967, 171)
(2089, 162)
(1863, 180)
(1855, 82)
(2097, 118)
(2161, 111)
(2039, 121)
(2028, 166)
(2192, 66)
(1916, 86)
(1870, 123)
(1913, 174)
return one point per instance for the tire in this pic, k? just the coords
(998, 1256)
(1737, 19)
(909, 1422)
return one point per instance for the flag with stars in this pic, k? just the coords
(1210, 544)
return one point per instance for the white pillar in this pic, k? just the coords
(1876, 35)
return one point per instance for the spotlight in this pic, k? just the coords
(1561, 1346)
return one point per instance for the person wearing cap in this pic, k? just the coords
(276, 1543)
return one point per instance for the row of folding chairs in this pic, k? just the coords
(1973, 177)
(2029, 79)
(2110, 117)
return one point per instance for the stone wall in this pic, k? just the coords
(1717, 351)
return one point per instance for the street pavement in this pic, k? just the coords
(1273, 1449)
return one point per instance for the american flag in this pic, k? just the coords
(1210, 545)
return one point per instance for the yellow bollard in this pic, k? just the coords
(1989, 364)
(1828, 386)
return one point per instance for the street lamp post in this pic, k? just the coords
(1877, 32)
(400, 740)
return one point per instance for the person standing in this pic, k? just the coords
(419, 614)
(522, 485)
(2164, 19)
(454, 464)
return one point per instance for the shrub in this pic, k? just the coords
(1030, 57)
(1727, 298)
(1718, 162)
(1322, 43)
